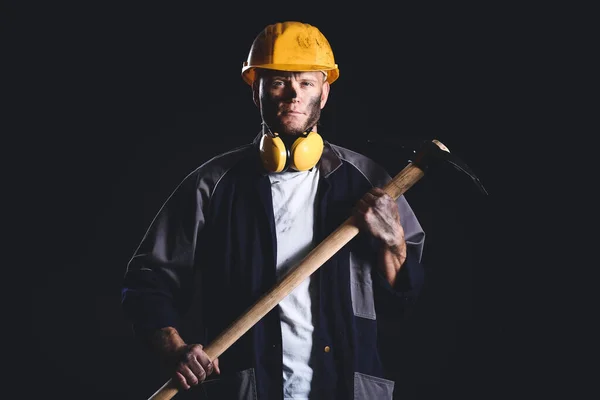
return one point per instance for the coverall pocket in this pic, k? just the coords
(368, 387)
(238, 386)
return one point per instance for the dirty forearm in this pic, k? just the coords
(391, 259)
(166, 342)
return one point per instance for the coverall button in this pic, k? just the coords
(327, 349)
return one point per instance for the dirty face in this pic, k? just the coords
(290, 102)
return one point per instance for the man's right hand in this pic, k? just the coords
(194, 366)
(190, 362)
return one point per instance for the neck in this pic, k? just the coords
(266, 130)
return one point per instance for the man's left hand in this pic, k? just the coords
(377, 213)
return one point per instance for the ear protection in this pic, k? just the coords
(279, 153)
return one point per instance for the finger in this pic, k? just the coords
(371, 196)
(367, 201)
(192, 362)
(205, 362)
(216, 366)
(189, 378)
(370, 204)
(362, 205)
(377, 192)
(181, 381)
(360, 215)
(202, 364)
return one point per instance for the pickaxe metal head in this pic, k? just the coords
(434, 149)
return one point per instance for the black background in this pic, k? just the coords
(114, 103)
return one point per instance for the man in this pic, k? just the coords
(244, 218)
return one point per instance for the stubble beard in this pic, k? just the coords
(314, 113)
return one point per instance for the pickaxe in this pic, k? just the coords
(403, 181)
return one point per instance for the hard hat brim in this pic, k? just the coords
(249, 74)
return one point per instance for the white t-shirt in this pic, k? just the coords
(294, 196)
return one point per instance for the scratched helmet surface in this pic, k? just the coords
(290, 46)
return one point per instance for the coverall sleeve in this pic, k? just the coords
(158, 281)
(393, 301)
(394, 304)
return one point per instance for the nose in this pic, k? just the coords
(292, 91)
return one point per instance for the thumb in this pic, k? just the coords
(216, 366)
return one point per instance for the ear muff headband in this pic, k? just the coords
(302, 155)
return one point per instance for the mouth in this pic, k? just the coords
(291, 112)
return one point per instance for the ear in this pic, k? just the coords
(325, 94)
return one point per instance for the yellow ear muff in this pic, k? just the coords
(306, 151)
(303, 154)
(273, 153)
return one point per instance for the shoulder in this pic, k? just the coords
(207, 175)
(374, 172)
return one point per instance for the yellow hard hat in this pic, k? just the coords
(290, 46)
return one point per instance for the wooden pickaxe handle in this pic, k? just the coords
(313, 261)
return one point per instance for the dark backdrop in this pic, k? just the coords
(115, 102)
